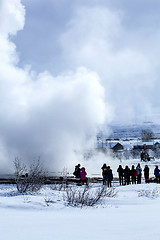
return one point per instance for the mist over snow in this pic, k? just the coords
(68, 69)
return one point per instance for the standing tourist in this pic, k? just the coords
(83, 176)
(146, 174)
(133, 174)
(108, 176)
(104, 168)
(120, 174)
(139, 173)
(77, 174)
(157, 174)
(127, 175)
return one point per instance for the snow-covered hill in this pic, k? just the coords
(134, 130)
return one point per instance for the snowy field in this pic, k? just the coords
(132, 214)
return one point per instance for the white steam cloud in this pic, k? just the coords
(106, 65)
(40, 114)
(98, 39)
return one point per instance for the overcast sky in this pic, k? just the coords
(119, 40)
(47, 21)
(70, 68)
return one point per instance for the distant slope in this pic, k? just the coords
(134, 131)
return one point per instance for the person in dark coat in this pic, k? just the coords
(127, 175)
(146, 174)
(108, 176)
(142, 156)
(120, 174)
(157, 174)
(139, 173)
(104, 168)
(148, 157)
(133, 174)
(77, 174)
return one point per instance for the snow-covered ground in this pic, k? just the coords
(132, 214)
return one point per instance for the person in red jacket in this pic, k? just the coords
(83, 176)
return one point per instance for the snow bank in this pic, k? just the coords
(128, 216)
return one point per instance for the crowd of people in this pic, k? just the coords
(133, 175)
(126, 175)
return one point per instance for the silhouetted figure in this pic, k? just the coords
(148, 157)
(104, 168)
(146, 174)
(139, 173)
(142, 155)
(127, 175)
(157, 174)
(77, 174)
(133, 174)
(108, 176)
(120, 174)
(83, 175)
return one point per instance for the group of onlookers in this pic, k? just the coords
(133, 175)
(126, 175)
(107, 175)
(80, 175)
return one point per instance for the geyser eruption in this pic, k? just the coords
(96, 65)
(40, 114)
